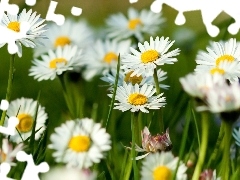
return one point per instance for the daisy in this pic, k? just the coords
(79, 143)
(219, 58)
(141, 80)
(56, 62)
(35, 32)
(236, 135)
(229, 70)
(63, 173)
(223, 98)
(197, 85)
(70, 33)
(162, 166)
(8, 153)
(24, 109)
(151, 55)
(136, 24)
(153, 143)
(103, 56)
(135, 98)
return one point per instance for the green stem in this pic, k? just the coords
(217, 146)
(203, 146)
(134, 126)
(9, 86)
(225, 164)
(155, 77)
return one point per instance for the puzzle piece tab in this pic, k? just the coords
(209, 14)
(10, 8)
(4, 170)
(31, 171)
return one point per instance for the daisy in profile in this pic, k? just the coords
(152, 54)
(162, 166)
(56, 62)
(63, 173)
(222, 58)
(136, 98)
(141, 80)
(136, 24)
(103, 56)
(70, 33)
(223, 98)
(35, 32)
(80, 143)
(197, 85)
(24, 109)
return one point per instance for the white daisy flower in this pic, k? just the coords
(137, 24)
(8, 153)
(223, 98)
(162, 166)
(63, 173)
(151, 55)
(135, 98)
(24, 109)
(56, 62)
(221, 57)
(236, 135)
(33, 35)
(197, 85)
(79, 143)
(103, 56)
(141, 80)
(70, 33)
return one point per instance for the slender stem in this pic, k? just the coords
(184, 138)
(225, 164)
(134, 126)
(217, 146)
(9, 86)
(203, 146)
(155, 77)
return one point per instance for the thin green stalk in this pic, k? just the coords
(225, 164)
(195, 121)
(114, 92)
(158, 91)
(134, 126)
(203, 146)
(155, 77)
(9, 86)
(217, 146)
(184, 138)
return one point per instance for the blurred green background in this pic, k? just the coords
(190, 38)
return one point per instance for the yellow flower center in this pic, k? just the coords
(228, 58)
(149, 56)
(62, 41)
(133, 23)
(162, 173)
(53, 63)
(79, 143)
(109, 57)
(137, 99)
(217, 70)
(25, 123)
(134, 80)
(14, 25)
